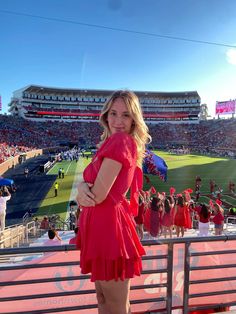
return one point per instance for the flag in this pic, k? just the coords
(155, 165)
(0, 103)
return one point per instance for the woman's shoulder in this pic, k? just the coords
(122, 137)
(120, 147)
(120, 141)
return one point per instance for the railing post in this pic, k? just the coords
(34, 228)
(11, 238)
(18, 236)
(23, 234)
(169, 277)
(26, 233)
(186, 277)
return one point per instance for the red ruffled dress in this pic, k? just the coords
(180, 216)
(188, 222)
(109, 244)
(168, 218)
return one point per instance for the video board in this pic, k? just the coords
(225, 107)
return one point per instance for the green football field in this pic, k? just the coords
(182, 170)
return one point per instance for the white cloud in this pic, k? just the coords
(231, 56)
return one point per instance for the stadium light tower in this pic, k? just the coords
(203, 112)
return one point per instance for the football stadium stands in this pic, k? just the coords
(207, 137)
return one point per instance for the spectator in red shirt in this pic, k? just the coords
(44, 223)
(218, 219)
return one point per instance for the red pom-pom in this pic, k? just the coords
(153, 190)
(172, 190)
(189, 190)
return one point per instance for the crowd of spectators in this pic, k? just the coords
(216, 137)
(212, 137)
(18, 135)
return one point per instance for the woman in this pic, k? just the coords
(204, 215)
(180, 216)
(110, 247)
(167, 219)
(139, 219)
(218, 219)
(156, 207)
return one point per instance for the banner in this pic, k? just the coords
(225, 107)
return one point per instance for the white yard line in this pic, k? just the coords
(56, 164)
(51, 169)
(68, 167)
(77, 178)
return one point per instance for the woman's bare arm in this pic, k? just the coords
(106, 177)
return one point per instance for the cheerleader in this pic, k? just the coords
(167, 218)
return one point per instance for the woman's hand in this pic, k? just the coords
(85, 197)
(139, 229)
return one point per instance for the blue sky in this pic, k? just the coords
(77, 44)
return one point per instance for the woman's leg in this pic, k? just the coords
(116, 296)
(221, 229)
(177, 230)
(102, 309)
(165, 231)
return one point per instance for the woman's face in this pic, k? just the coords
(119, 118)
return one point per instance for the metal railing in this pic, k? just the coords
(16, 235)
(229, 221)
(170, 253)
(11, 237)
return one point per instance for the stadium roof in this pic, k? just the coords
(41, 89)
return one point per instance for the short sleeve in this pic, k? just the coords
(120, 147)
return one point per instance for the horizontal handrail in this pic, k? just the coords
(166, 269)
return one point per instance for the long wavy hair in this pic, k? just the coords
(180, 201)
(139, 129)
(204, 211)
(167, 206)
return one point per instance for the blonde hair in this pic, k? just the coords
(139, 129)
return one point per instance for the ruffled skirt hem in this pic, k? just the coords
(119, 269)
